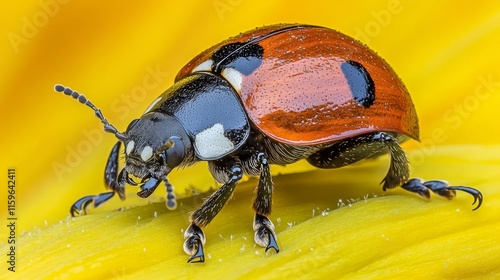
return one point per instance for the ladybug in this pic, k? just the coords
(273, 95)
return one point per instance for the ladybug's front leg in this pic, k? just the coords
(264, 228)
(194, 236)
(111, 181)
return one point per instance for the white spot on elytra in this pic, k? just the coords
(204, 66)
(153, 104)
(234, 77)
(212, 142)
(130, 147)
(146, 153)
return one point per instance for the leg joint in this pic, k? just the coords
(236, 173)
(382, 137)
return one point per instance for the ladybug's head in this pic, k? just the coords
(154, 145)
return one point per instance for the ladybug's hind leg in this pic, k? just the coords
(354, 149)
(442, 189)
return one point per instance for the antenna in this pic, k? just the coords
(82, 99)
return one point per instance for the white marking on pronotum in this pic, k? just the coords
(212, 142)
(130, 147)
(147, 153)
(234, 77)
(152, 105)
(204, 66)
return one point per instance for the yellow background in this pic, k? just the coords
(121, 56)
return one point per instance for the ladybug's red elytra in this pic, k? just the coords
(272, 95)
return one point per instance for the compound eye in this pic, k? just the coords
(175, 154)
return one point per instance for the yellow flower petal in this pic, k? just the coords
(344, 226)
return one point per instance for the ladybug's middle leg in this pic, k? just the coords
(263, 227)
(194, 236)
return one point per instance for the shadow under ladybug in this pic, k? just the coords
(273, 95)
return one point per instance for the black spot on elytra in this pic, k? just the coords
(360, 83)
(243, 57)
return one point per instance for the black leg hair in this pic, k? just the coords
(194, 236)
(263, 200)
(357, 148)
(263, 227)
